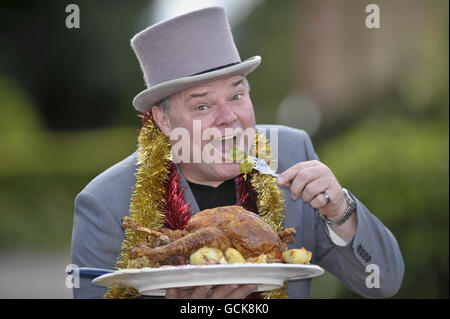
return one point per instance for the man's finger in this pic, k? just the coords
(303, 178)
(289, 174)
(222, 292)
(172, 293)
(243, 291)
(201, 292)
(319, 201)
(314, 188)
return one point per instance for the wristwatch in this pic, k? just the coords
(350, 210)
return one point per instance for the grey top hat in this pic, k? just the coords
(184, 52)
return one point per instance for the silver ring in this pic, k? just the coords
(327, 197)
(210, 292)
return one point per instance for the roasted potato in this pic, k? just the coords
(260, 259)
(297, 256)
(207, 256)
(233, 256)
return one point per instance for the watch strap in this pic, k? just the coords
(348, 212)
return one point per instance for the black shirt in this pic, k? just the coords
(211, 197)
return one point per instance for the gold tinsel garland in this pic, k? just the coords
(269, 202)
(147, 203)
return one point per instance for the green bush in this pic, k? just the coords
(41, 172)
(399, 170)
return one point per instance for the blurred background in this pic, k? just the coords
(375, 102)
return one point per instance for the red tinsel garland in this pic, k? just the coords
(246, 194)
(177, 211)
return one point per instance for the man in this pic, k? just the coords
(194, 75)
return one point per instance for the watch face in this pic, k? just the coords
(348, 198)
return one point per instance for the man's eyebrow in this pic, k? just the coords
(234, 84)
(196, 95)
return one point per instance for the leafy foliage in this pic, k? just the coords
(399, 170)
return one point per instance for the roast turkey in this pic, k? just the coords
(221, 228)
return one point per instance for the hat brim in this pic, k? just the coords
(144, 101)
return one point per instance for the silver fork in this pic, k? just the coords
(262, 167)
(259, 164)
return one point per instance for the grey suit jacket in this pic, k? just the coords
(97, 234)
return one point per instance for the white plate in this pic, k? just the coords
(155, 281)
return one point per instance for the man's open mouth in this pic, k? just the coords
(225, 145)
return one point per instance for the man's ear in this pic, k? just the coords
(162, 119)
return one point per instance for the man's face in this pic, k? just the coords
(222, 106)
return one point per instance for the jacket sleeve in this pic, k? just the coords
(94, 241)
(371, 264)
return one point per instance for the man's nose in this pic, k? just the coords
(226, 115)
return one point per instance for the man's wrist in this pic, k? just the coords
(340, 219)
(341, 211)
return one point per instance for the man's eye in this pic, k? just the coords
(202, 107)
(237, 97)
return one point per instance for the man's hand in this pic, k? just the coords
(309, 180)
(210, 292)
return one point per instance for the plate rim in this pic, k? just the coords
(213, 266)
(147, 270)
